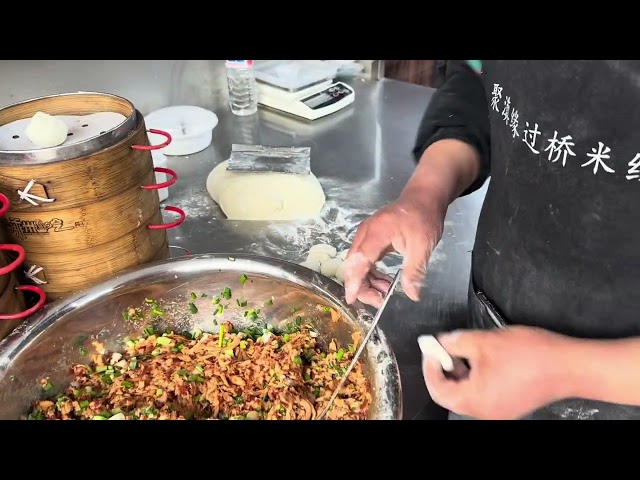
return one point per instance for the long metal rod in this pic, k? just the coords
(362, 346)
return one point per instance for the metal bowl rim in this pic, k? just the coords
(38, 323)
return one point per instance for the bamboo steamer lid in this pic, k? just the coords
(89, 208)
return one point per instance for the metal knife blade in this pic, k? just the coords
(362, 346)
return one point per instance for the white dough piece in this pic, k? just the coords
(265, 196)
(381, 266)
(340, 273)
(430, 347)
(46, 131)
(329, 268)
(311, 263)
(318, 255)
(323, 248)
(343, 254)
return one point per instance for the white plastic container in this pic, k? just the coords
(190, 127)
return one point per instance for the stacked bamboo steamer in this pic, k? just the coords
(89, 208)
(12, 301)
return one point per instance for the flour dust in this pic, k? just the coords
(336, 225)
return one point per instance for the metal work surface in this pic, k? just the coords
(361, 155)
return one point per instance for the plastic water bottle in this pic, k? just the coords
(243, 91)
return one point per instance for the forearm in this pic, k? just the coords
(446, 169)
(604, 370)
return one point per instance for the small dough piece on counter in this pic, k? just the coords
(312, 263)
(319, 255)
(323, 248)
(381, 266)
(46, 131)
(340, 273)
(330, 267)
(265, 196)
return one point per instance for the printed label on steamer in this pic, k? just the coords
(22, 229)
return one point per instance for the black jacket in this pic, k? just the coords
(558, 239)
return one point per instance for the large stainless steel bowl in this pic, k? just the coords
(50, 341)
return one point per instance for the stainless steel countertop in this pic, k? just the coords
(362, 156)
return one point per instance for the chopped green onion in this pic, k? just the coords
(159, 392)
(226, 293)
(198, 369)
(84, 404)
(148, 300)
(243, 278)
(130, 344)
(48, 387)
(193, 296)
(294, 310)
(243, 344)
(297, 361)
(195, 378)
(326, 309)
(182, 373)
(298, 321)
(134, 364)
(163, 341)
(228, 353)
(352, 347)
(156, 311)
(220, 310)
(127, 384)
(286, 337)
(196, 333)
(193, 308)
(148, 331)
(242, 303)
(339, 354)
(268, 303)
(307, 377)
(215, 301)
(83, 351)
(221, 336)
(101, 368)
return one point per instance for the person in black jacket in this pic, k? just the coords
(555, 282)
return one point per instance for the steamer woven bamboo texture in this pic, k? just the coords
(13, 309)
(85, 218)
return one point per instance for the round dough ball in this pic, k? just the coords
(323, 248)
(312, 264)
(265, 196)
(46, 131)
(340, 273)
(330, 267)
(318, 255)
(381, 266)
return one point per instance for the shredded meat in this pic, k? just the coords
(222, 376)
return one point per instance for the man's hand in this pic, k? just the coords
(409, 226)
(514, 371)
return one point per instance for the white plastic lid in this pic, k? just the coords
(189, 126)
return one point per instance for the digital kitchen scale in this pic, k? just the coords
(311, 102)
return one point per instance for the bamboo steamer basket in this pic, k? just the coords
(89, 208)
(13, 309)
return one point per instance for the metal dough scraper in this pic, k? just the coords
(362, 346)
(264, 159)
